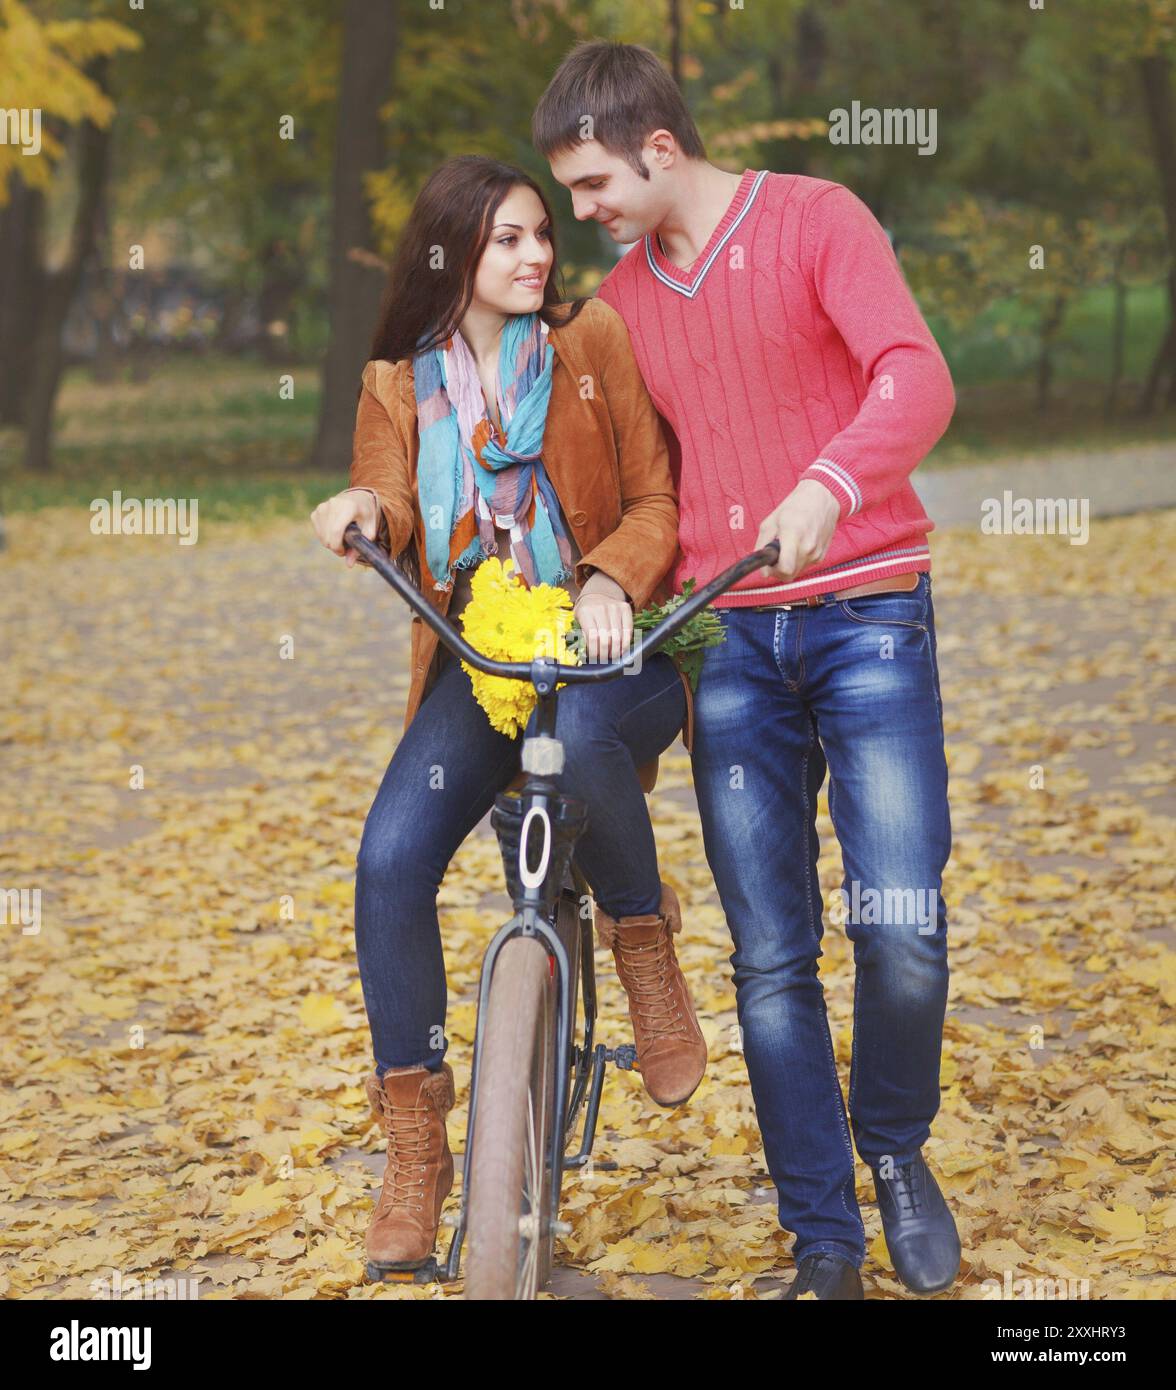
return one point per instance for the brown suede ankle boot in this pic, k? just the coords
(671, 1051)
(410, 1105)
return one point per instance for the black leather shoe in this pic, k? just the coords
(920, 1230)
(828, 1276)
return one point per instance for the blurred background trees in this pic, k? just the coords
(219, 188)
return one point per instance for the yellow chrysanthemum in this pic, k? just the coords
(507, 621)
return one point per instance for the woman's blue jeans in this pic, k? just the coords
(442, 779)
(851, 686)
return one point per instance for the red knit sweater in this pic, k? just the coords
(792, 348)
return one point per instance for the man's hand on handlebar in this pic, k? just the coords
(332, 517)
(803, 524)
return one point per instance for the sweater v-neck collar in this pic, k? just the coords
(690, 280)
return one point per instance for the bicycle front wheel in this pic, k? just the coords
(509, 1179)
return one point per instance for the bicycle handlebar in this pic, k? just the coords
(552, 671)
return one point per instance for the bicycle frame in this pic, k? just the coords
(536, 893)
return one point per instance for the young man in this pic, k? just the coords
(780, 343)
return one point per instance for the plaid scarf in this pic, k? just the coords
(470, 478)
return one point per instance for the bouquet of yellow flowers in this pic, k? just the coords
(509, 622)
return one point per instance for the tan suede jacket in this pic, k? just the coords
(603, 449)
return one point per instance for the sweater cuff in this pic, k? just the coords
(845, 488)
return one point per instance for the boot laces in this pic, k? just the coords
(649, 968)
(407, 1129)
(906, 1187)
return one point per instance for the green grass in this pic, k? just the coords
(212, 428)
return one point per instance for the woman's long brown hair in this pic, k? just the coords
(431, 279)
(426, 295)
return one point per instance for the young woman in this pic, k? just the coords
(494, 419)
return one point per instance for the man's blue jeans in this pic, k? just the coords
(442, 779)
(851, 686)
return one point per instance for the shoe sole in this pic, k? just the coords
(936, 1288)
(379, 1272)
(926, 1293)
(673, 1104)
(670, 1104)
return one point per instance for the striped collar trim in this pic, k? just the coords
(691, 283)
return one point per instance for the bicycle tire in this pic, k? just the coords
(509, 1181)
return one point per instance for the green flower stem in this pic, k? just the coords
(704, 630)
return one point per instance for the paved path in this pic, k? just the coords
(1132, 479)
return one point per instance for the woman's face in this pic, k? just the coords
(517, 260)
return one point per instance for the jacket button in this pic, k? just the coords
(578, 518)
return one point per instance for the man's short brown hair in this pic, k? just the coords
(625, 93)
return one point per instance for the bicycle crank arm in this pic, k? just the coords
(624, 1058)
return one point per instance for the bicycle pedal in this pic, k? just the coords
(624, 1057)
(428, 1273)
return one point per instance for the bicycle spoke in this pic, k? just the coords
(532, 1192)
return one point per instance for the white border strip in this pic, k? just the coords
(691, 290)
(914, 551)
(840, 475)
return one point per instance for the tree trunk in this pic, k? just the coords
(795, 94)
(103, 303)
(370, 33)
(281, 279)
(1118, 335)
(1049, 332)
(232, 312)
(675, 18)
(21, 286)
(1165, 354)
(93, 146)
(1156, 72)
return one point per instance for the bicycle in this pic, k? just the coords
(537, 972)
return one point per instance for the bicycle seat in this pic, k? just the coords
(646, 776)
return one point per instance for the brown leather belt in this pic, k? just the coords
(894, 583)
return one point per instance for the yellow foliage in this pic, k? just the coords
(41, 61)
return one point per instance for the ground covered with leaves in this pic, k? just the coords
(185, 1040)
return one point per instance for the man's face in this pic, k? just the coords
(607, 190)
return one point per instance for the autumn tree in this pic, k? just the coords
(58, 71)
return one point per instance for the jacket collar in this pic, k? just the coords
(568, 351)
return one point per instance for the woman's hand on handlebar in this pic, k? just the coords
(605, 617)
(332, 517)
